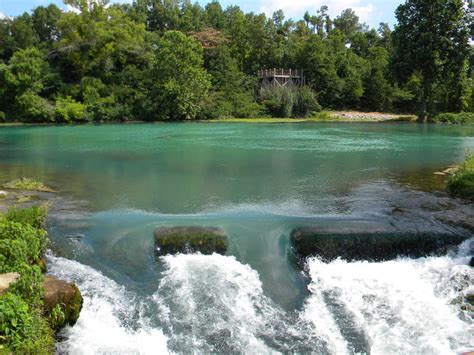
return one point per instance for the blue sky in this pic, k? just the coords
(370, 11)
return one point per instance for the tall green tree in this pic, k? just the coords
(179, 81)
(432, 38)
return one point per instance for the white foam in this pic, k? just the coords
(209, 295)
(401, 306)
(102, 326)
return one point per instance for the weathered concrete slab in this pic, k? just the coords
(186, 240)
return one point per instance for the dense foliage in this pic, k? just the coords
(462, 182)
(159, 60)
(24, 328)
(455, 118)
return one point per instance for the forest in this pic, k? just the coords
(174, 60)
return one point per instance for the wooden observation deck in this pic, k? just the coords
(281, 77)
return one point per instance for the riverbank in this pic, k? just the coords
(325, 116)
(328, 116)
(33, 306)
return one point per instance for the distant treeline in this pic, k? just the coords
(171, 59)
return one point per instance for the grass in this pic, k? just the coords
(27, 184)
(461, 183)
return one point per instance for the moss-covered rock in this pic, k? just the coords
(376, 246)
(64, 294)
(174, 240)
(27, 184)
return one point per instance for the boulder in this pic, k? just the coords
(471, 263)
(372, 245)
(186, 240)
(6, 280)
(64, 294)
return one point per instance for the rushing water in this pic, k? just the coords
(257, 182)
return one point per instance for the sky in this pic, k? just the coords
(371, 12)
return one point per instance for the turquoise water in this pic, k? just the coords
(257, 182)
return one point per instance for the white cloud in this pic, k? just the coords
(70, 8)
(73, 9)
(296, 8)
(2, 15)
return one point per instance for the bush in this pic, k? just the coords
(278, 101)
(32, 107)
(283, 102)
(221, 104)
(22, 329)
(34, 216)
(306, 103)
(455, 118)
(21, 243)
(461, 184)
(2, 117)
(69, 110)
(29, 286)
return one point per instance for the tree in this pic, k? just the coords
(348, 23)
(432, 38)
(179, 82)
(45, 23)
(22, 82)
(214, 15)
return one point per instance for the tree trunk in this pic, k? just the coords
(425, 97)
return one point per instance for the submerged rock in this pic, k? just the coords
(75, 237)
(173, 240)
(64, 294)
(27, 184)
(370, 245)
(6, 280)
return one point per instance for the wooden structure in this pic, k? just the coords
(281, 77)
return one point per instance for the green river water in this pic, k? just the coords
(117, 183)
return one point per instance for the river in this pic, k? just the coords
(117, 183)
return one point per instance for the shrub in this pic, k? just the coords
(32, 107)
(461, 184)
(285, 102)
(22, 329)
(34, 216)
(69, 110)
(306, 103)
(278, 101)
(222, 104)
(2, 117)
(57, 317)
(29, 286)
(455, 118)
(20, 244)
